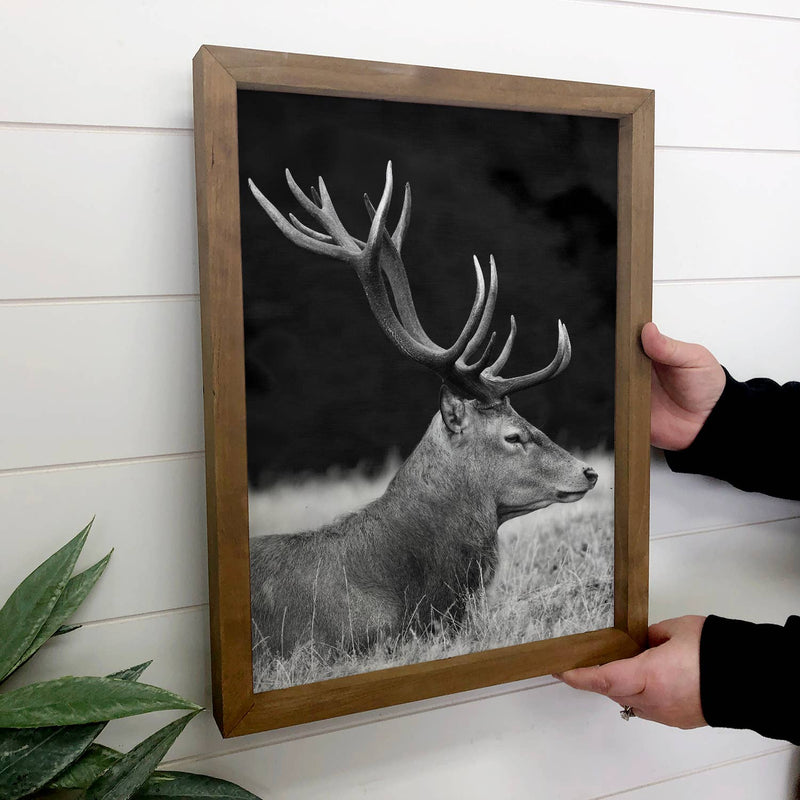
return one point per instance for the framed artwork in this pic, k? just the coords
(426, 407)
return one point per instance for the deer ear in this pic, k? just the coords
(453, 409)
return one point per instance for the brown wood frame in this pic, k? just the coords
(218, 73)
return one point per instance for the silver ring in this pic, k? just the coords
(627, 712)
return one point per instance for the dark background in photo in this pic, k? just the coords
(325, 387)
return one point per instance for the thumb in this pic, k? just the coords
(664, 350)
(615, 679)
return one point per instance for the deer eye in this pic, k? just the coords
(513, 438)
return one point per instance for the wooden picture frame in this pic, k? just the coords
(219, 72)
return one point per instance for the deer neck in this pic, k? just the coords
(433, 485)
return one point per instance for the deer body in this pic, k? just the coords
(411, 560)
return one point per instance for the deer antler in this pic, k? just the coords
(380, 256)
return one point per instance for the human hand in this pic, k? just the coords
(662, 684)
(687, 382)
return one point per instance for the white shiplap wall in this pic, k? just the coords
(101, 400)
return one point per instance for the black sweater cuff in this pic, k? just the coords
(749, 676)
(750, 439)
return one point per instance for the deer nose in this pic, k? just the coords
(591, 475)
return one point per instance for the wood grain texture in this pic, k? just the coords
(290, 72)
(388, 687)
(632, 404)
(219, 71)
(217, 171)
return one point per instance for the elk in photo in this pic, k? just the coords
(410, 560)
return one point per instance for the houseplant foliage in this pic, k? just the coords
(48, 729)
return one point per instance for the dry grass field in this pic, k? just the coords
(555, 575)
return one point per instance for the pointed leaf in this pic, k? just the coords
(30, 757)
(66, 629)
(131, 673)
(188, 786)
(75, 701)
(30, 604)
(123, 779)
(73, 595)
(87, 769)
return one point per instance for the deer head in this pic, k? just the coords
(483, 434)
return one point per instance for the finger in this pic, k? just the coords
(660, 632)
(618, 678)
(664, 350)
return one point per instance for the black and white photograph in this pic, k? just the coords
(429, 312)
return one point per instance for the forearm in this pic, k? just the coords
(751, 439)
(748, 676)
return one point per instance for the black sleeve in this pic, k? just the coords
(748, 672)
(749, 676)
(751, 439)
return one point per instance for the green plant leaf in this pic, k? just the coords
(87, 769)
(30, 757)
(75, 701)
(30, 604)
(73, 595)
(188, 786)
(97, 759)
(124, 778)
(66, 629)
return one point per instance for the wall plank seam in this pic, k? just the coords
(56, 127)
(111, 462)
(691, 9)
(716, 528)
(108, 299)
(174, 298)
(709, 768)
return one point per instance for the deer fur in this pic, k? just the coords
(411, 559)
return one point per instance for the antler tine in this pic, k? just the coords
(405, 218)
(298, 237)
(483, 327)
(444, 359)
(320, 237)
(505, 386)
(402, 224)
(380, 256)
(392, 266)
(323, 212)
(455, 351)
(331, 219)
(500, 361)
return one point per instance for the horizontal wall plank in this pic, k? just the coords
(151, 513)
(119, 211)
(744, 573)
(455, 750)
(772, 8)
(680, 502)
(96, 213)
(514, 746)
(96, 381)
(751, 326)
(725, 214)
(773, 776)
(708, 95)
